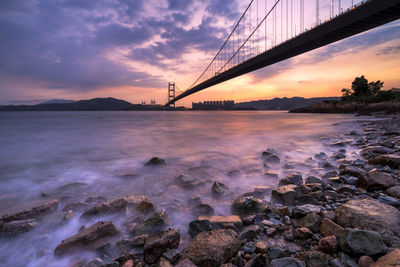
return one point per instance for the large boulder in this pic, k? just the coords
(375, 180)
(156, 222)
(374, 151)
(392, 160)
(17, 227)
(292, 178)
(115, 206)
(32, 213)
(361, 242)
(97, 234)
(311, 221)
(212, 248)
(370, 214)
(160, 242)
(390, 259)
(286, 194)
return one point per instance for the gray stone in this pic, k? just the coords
(17, 227)
(370, 214)
(292, 178)
(32, 213)
(115, 206)
(312, 221)
(362, 242)
(156, 222)
(199, 226)
(155, 161)
(389, 200)
(247, 205)
(219, 188)
(286, 194)
(300, 211)
(257, 261)
(314, 180)
(391, 160)
(287, 262)
(158, 243)
(249, 248)
(250, 232)
(375, 180)
(394, 191)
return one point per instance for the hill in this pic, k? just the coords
(95, 104)
(282, 103)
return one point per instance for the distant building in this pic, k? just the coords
(214, 105)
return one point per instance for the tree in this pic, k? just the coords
(360, 86)
(375, 87)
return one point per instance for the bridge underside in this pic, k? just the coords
(372, 14)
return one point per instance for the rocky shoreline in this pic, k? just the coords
(349, 216)
(350, 107)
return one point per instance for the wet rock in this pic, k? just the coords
(328, 244)
(271, 174)
(375, 180)
(32, 213)
(77, 206)
(111, 207)
(394, 191)
(99, 232)
(199, 226)
(389, 200)
(131, 223)
(261, 247)
(292, 178)
(218, 222)
(250, 232)
(155, 161)
(134, 200)
(287, 262)
(365, 261)
(276, 253)
(202, 209)
(17, 227)
(300, 211)
(315, 258)
(351, 170)
(158, 243)
(362, 242)
(69, 215)
(390, 259)
(212, 248)
(346, 261)
(391, 160)
(95, 200)
(257, 261)
(347, 189)
(185, 263)
(249, 248)
(286, 194)
(145, 207)
(139, 240)
(312, 221)
(314, 180)
(156, 222)
(303, 233)
(95, 263)
(219, 188)
(369, 214)
(172, 255)
(164, 263)
(247, 205)
(328, 228)
(337, 143)
(189, 182)
(374, 151)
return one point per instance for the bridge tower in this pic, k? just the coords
(171, 92)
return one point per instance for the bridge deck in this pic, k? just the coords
(365, 17)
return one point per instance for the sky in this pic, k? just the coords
(131, 49)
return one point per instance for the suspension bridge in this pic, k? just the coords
(270, 31)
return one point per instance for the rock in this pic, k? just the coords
(185, 263)
(287, 262)
(32, 213)
(374, 151)
(199, 226)
(303, 233)
(337, 143)
(219, 188)
(315, 258)
(95, 263)
(128, 263)
(172, 255)
(133, 201)
(394, 191)
(375, 180)
(69, 215)
(276, 253)
(249, 248)
(219, 221)
(272, 174)
(362, 242)
(328, 244)
(314, 180)
(189, 182)
(346, 261)
(352, 171)
(257, 261)
(164, 263)
(300, 211)
(99, 232)
(365, 261)
(155, 161)
(111, 207)
(390, 259)
(329, 228)
(247, 205)
(145, 207)
(17, 227)
(95, 200)
(286, 194)
(138, 241)
(369, 214)
(261, 247)
(158, 243)
(347, 189)
(389, 200)
(250, 232)
(312, 221)
(156, 222)
(391, 160)
(292, 178)
(212, 248)
(77, 206)
(202, 209)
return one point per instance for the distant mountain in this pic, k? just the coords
(107, 104)
(58, 101)
(282, 103)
